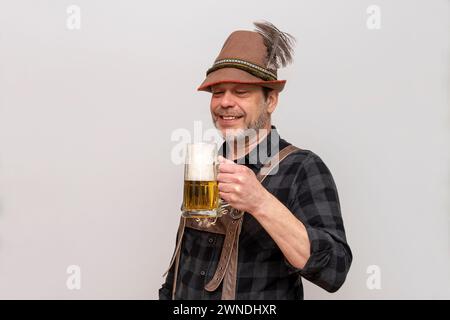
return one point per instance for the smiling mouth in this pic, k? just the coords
(230, 117)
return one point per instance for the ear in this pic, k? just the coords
(272, 101)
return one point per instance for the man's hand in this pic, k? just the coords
(239, 186)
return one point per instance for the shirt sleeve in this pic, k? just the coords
(314, 201)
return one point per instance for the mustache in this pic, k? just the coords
(225, 113)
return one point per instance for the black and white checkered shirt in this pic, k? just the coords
(306, 187)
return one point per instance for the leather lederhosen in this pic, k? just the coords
(228, 225)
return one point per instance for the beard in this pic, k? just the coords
(250, 132)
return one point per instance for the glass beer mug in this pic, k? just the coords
(201, 192)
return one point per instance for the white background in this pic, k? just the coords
(86, 118)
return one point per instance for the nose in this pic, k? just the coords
(227, 100)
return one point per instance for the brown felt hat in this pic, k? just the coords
(251, 57)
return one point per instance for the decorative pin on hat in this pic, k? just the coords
(252, 57)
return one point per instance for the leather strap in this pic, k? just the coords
(230, 280)
(176, 255)
(226, 270)
(269, 166)
(224, 261)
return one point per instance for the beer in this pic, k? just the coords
(200, 195)
(201, 192)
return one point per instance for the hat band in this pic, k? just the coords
(249, 67)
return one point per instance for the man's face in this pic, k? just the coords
(238, 107)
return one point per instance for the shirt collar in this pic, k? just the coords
(259, 155)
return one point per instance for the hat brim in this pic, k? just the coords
(234, 75)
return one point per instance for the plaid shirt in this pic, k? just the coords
(306, 187)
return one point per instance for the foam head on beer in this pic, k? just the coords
(201, 159)
(201, 193)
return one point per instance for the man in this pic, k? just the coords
(292, 225)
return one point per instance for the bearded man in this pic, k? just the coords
(285, 223)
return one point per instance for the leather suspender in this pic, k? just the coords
(230, 226)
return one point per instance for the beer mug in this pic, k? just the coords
(201, 192)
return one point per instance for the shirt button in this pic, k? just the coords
(210, 240)
(202, 273)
